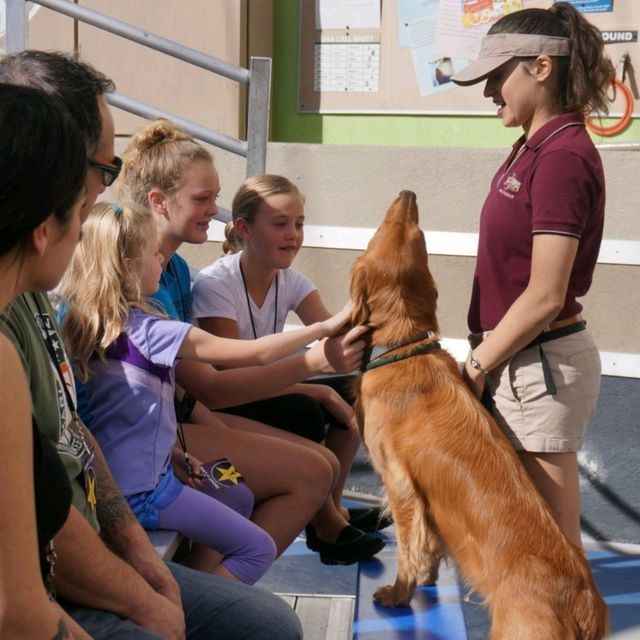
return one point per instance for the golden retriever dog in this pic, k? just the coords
(454, 483)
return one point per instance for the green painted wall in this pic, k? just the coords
(393, 130)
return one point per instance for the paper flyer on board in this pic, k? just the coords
(591, 6)
(443, 35)
(347, 14)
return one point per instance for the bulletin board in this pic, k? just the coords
(393, 67)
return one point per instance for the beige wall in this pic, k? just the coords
(345, 185)
(352, 186)
(231, 30)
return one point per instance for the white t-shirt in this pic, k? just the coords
(218, 292)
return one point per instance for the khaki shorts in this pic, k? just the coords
(531, 418)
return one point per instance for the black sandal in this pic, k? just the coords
(369, 519)
(352, 545)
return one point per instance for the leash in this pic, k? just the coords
(416, 351)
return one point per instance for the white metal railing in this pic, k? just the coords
(257, 77)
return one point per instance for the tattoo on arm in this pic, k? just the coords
(112, 509)
(62, 631)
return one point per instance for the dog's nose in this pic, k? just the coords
(407, 194)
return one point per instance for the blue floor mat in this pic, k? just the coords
(618, 578)
(438, 613)
(299, 570)
(434, 613)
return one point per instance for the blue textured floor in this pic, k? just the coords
(434, 613)
(618, 578)
(300, 571)
(439, 613)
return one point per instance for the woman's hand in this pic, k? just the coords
(187, 468)
(333, 402)
(335, 324)
(344, 353)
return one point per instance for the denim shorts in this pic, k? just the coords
(532, 418)
(148, 504)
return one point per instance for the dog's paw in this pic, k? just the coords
(389, 597)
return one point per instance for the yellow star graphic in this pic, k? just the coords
(91, 492)
(230, 473)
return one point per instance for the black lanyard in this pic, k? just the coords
(246, 293)
(75, 425)
(52, 352)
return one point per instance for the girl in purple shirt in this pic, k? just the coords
(126, 351)
(540, 232)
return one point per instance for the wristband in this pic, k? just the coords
(475, 363)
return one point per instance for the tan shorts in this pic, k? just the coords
(531, 418)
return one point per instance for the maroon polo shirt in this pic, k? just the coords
(552, 183)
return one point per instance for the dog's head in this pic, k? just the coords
(392, 289)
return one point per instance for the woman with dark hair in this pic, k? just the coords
(42, 172)
(540, 233)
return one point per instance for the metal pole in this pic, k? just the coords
(151, 40)
(197, 131)
(17, 24)
(258, 115)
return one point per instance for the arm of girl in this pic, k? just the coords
(551, 263)
(218, 389)
(200, 345)
(312, 309)
(180, 468)
(330, 399)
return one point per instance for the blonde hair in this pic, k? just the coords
(99, 287)
(251, 194)
(156, 158)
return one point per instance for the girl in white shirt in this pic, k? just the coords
(249, 293)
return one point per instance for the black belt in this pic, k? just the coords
(547, 336)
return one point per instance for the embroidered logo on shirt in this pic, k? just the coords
(510, 186)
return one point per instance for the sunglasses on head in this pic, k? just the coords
(110, 171)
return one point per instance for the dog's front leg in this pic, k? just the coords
(403, 502)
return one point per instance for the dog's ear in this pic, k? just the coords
(359, 294)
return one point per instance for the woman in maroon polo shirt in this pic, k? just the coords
(540, 233)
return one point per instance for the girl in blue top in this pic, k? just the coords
(125, 350)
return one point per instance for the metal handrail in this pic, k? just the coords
(257, 77)
(148, 111)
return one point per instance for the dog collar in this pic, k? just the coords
(382, 359)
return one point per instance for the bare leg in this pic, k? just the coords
(556, 477)
(204, 559)
(344, 445)
(328, 521)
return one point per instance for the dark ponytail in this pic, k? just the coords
(583, 77)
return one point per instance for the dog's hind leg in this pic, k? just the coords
(433, 547)
(521, 613)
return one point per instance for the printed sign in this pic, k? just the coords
(484, 12)
(611, 37)
(591, 6)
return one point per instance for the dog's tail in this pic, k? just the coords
(590, 611)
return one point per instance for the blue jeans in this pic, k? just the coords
(215, 608)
